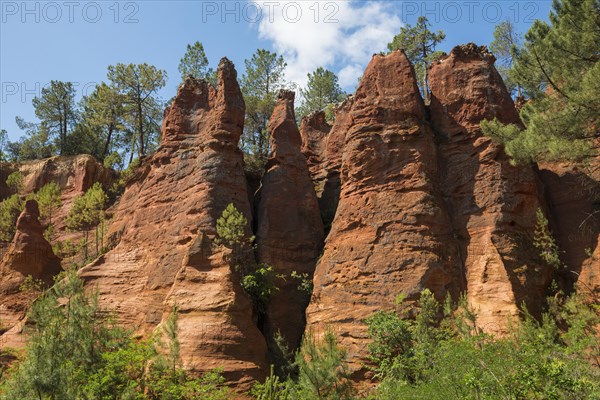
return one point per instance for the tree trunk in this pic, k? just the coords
(108, 138)
(140, 127)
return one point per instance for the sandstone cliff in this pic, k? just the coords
(290, 231)
(492, 204)
(390, 234)
(163, 228)
(29, 255)
(437, 208)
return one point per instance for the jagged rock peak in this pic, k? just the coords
(285, 136)
(470, 51)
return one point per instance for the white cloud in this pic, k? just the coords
(339, 35)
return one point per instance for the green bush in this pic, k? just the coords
(422, 358)
(15, 182)
(10, 209)
(76, 353)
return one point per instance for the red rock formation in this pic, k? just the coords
(322, 145)
(573, 194)
(492, 204)
(29, 254)
(163, 228)
(313, 131)
(290, 231)
(390, 235)
(73, 174)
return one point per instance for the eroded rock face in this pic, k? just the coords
(29, 254)
(491, 203)
(313, 131)
(163, 230)
(290, 231)
(573, 195)
(73, 174)
(391, 234)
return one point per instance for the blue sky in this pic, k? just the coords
(76, 40)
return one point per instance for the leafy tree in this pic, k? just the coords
(86, 212)
(10, 209)
(104, 112)
(138, 85)
(322, 90)
(56, 109)
(559, 69)
(14, 181)
(419, 44)
(195, 63)
(260, 84)
(506, 42)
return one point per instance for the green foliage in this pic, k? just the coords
(104, 115)
(258, 281)
(272, 389)
(125, 176)
(87, 211)
(322, 90)
(419, 44)
(3, 145)
(260, 84)
(260, 285)
(14, 181)
(544, 241)
(450, 359)
(10, 209)
(195, 63)
(57, 112)
(231, 228)
(322, 370)
(305, 284)
(74, 353)
(48, 199)
(35, 144)
(559, 70)
(137, 85)
(506, 43)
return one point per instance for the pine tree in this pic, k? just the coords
(56, 109)
(195, 63)
(419, 44)
(86, 212)
(260, 84)
(10, 209)
(322, 90)
(559, 70)
(104, 114)
(507, 42)
(138, 85)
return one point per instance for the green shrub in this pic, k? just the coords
(15, 182)
(10, 209)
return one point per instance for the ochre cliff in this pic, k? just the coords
(409, 196)
(163, 230)
(428, 202)
(29, 254)
(491, 203)
(390, 234)
(289, 233)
